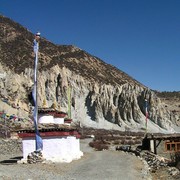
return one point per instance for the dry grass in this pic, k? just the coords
(103, 139)
(98, 145)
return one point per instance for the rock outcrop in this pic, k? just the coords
(102, 96)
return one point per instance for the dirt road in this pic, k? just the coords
(94, 165)
(106, 165)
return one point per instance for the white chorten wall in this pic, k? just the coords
(56, 149)
(46, 119)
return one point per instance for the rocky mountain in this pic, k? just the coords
(102, 96)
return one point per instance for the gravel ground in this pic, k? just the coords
(94, 165)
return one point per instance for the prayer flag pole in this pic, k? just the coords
(39, 144)
(69, 100)
(146, 111)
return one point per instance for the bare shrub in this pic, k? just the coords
(98, 145)
(125, 142)
(175, 160)
(130, 142)
(116, 142)
(109, 138)
(91, 144)
(121, 137)
(137, 141)
(128, 137)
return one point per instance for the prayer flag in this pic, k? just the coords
(146, 111)
(39, 143)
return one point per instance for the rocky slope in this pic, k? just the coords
(102, 96)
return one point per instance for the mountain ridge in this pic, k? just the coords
(102, 95)
(64, 53)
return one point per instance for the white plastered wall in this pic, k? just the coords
(56, 149)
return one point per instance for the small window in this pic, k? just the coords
(168, 147)
(178, 147)
(173, 147)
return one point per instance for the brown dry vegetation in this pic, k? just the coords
(104, 139)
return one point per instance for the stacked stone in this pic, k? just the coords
(125, 148)
(174, 172)
(154, 161)
(129, 149)
(35, 157)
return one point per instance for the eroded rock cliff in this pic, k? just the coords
(101, 95)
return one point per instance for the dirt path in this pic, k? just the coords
(107, 165)
(94, 165)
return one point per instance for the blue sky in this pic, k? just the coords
(139, 37)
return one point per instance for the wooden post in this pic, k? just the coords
(155, 148)
(152, 145)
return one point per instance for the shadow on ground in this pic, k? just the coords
(11, 160)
